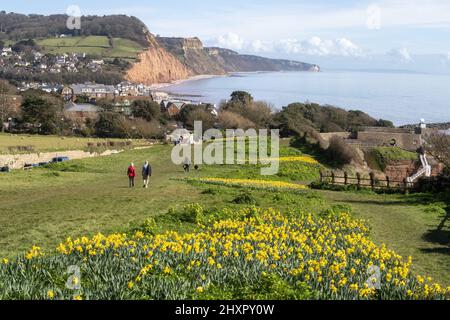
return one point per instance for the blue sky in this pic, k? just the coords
(397, 32)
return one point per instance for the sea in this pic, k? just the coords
(401, 97)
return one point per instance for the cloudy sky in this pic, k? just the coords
(348, 33)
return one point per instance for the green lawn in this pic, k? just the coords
(93, 45)
(405, 225)
(50, 143)
(84, 197)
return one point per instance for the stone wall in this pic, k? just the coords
(407, 141)
(18, 161)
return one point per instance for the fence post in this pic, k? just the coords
(333, 177)
(358, 176)
(388, 182)
(345, 178)
(405, 186)
(321, 176)
(372, 180)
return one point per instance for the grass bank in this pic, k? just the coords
(81, 198)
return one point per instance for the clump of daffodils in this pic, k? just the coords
(332, 256)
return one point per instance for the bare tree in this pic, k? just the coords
(6, 107)
(438, 145)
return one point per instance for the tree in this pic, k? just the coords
(191, 113)
(104, 104)
(438, 145)
(242, 96)
(231, 120)
(148, 110)
(6, 108)
(260, 113)
(184, 113)
(206, 117)
(148, 130)
(341, 152)
(44, 112)
(111, 125)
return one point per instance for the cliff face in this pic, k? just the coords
(233, 62)
(204, 60)
(192, 54)
(171, 59)
(157, 65)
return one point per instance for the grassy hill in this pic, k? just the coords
(83, 197)
(100, 46)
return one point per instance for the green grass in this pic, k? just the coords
(406, 225)
(383, 155)
(50, 143)
(93, 45)
(84, 197)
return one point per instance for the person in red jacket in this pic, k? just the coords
(131, 175)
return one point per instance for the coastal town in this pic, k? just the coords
(81, 100)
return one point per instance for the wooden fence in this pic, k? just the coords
(435, 183)
(360, 182)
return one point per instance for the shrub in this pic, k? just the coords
(149, 226)
(192, 213)
(341, 152)
(245, 198)
(210, 191)
(231, 120)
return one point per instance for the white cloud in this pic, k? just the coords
(319, 47)
(313, 46)
(401, 55)
(231, 41)
(260, 46)
(448, 55)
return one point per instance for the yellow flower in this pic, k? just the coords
(253, 183)
(75, 280)
(354, 287)
(50, 294)
(5, 260)
(211, 261)
(130, 285)
(139, 235)
(200, 290)
(77, 298)
(167, 270)
(389, 277)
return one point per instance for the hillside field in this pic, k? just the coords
(100, 46)
(51, 143)
(80, 198)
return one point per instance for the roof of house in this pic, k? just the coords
(80, 107)
(178, 104)
(92, 87)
